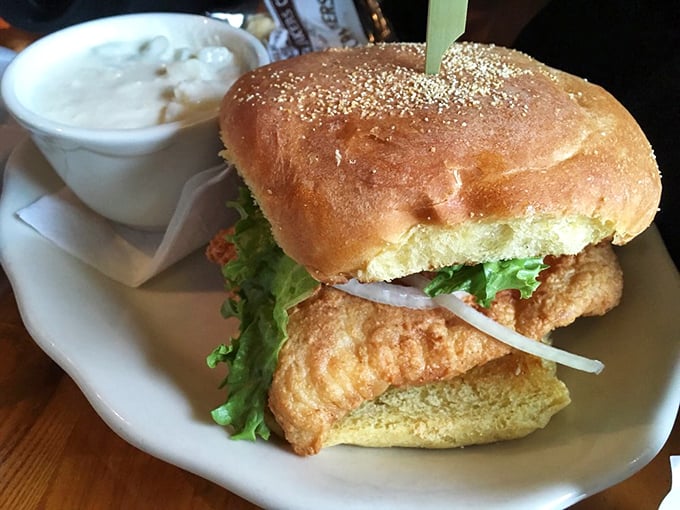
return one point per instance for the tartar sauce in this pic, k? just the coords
(123, 85)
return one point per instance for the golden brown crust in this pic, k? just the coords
(361, 146)
(343, 350)
(220, 250)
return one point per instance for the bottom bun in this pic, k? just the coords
(507, 398)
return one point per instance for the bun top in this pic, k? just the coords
(367, 167)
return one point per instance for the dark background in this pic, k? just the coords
(630, 47)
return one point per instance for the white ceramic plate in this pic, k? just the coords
(138, 355)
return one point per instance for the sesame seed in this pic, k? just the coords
(364, 82)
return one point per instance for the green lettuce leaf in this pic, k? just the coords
(267, 284)
(485, 280)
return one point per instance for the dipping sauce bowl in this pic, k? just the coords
(125, 108)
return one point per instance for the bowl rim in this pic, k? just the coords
(36, 122)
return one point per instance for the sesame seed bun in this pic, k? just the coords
(366, 167)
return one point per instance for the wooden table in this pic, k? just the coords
(56, 453)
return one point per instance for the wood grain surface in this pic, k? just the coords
(56, 453)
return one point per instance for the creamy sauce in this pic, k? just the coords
(125, 85)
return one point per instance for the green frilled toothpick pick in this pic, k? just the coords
(445, 24)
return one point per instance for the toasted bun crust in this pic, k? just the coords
(367, 167)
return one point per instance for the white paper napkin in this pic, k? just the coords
(132, 256)
(672, 499)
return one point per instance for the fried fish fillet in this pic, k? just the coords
(343, 351)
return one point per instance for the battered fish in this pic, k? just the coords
(343, 351)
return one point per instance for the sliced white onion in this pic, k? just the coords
(389, 294)
(414, 297)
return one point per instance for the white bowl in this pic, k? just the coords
(132, 176)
